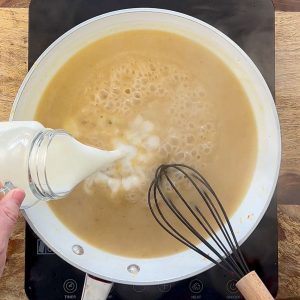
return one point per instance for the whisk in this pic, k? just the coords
(167, 196)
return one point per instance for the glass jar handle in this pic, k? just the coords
(8, 186)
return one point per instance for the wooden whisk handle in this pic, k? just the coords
(252, 288)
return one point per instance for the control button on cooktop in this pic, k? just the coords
(231, 286)
(70, 286)
(196, 286)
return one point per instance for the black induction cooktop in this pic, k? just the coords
(250, 23)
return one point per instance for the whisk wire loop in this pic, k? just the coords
(228, 235)
(171, 230)
(183, 219)
(217, 218)
(236, 245)
(230, 257)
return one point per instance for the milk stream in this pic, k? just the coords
(68, 161)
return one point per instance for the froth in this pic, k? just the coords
(130, 172)
(154, 105)
(134, 80)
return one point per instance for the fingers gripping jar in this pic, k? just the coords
(23, 150)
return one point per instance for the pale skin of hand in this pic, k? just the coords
(9, 211)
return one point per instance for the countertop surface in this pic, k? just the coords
(13, 67)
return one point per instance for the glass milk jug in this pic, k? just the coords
(46, 163)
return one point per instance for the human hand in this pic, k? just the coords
(9, 211)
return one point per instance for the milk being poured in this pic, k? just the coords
(66, 162)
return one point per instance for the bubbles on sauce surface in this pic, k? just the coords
(155, 106)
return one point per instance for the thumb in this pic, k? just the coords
(9, 211)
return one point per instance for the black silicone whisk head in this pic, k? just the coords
(184, 204)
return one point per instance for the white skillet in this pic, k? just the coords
(174, 267)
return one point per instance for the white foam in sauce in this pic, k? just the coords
(129, 173)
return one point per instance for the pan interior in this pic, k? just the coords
(155, 91)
